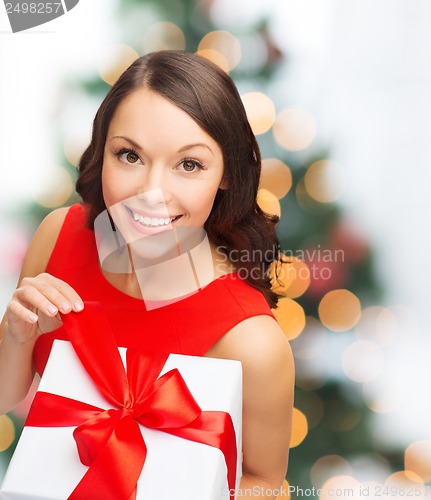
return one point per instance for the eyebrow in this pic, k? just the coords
(184, 148)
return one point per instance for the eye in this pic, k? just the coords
(132, 157)
(190, 165)
(128, 156)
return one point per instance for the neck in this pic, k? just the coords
(169, 279)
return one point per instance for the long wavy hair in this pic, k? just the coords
(236, 224)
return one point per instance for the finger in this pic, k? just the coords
(17, 312)
(61, 295)
(32, 298)
(66, 290)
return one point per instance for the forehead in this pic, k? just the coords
(145, 114)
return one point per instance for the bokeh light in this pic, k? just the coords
(284, 491)
(349, 234)
(362, 361)
(299, 278)
(339, 310)
(57, 190)
(276, 177)
(378, 324)
(383, 397)
(327, 269)
(289, 277)
(224, 43)
(312, 343)
(370, 465)
(307, 203)
(268, 202)
(215, 57)
(417, 459)
(7, 432)
(299, 428)
(328, 466)
(405, 479)
(290, 316)
(115, 61)
(281, 275)
(294, 128)
(341, 487)
(325, 181)
(163, 36)
(260, 111)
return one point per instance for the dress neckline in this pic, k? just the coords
(139, 302)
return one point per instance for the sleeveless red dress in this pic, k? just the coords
(190, 326)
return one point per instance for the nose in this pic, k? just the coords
(152, 187)
(152, 197)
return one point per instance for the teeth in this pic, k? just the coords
(152, 221)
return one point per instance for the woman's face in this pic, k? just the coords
(161, 170)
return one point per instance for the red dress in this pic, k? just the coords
(190, 326)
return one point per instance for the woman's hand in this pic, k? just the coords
(35, 306)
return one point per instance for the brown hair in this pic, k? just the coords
(236, 223)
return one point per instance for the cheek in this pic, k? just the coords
(199, 205)
(113, 189)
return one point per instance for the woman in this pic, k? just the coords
(174, 162)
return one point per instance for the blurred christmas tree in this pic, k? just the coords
(330, 280)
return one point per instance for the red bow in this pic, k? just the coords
(110, 441)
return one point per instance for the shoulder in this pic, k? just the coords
(261, 346)
(43, 243)
(52, 222)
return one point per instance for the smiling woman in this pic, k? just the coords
(171, 174)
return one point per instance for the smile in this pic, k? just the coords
(152, 221)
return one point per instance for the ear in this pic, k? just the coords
(223, 184)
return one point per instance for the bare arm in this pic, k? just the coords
(32, 311)
(268, 384)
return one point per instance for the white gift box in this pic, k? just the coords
(46, 464)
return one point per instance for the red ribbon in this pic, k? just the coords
(110, 441)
